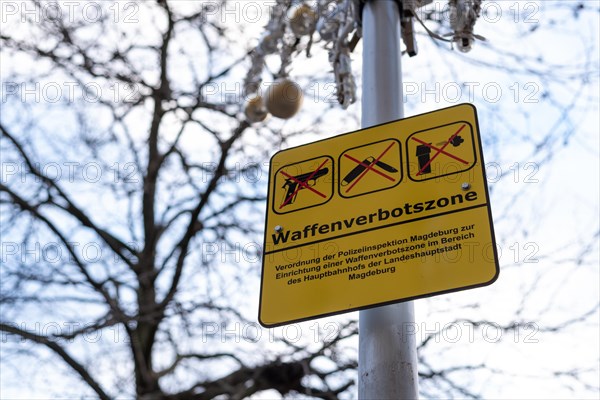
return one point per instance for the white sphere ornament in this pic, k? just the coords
(303, 20)
(283, 98)
(255, 110)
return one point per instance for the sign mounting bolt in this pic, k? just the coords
(278, 228)
(464, 186)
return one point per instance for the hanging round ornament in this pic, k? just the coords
(283, 98)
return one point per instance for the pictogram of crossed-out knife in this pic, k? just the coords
(352, 175)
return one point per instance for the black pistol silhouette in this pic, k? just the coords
(292, 184)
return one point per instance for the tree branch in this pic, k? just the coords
(62, 353)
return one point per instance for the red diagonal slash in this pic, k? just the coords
(370, 167)
(367, 166)
(302, 184)
(440, 150)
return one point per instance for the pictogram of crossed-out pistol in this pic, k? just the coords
(293, 184)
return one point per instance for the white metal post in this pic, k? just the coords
(387, 355)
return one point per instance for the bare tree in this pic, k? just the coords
(132, 198)
(161, 182)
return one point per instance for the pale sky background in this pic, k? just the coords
(545, 210)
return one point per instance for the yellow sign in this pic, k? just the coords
(386, 214)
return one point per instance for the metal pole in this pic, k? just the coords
(387, 355)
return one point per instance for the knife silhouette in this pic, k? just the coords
(352, 175)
